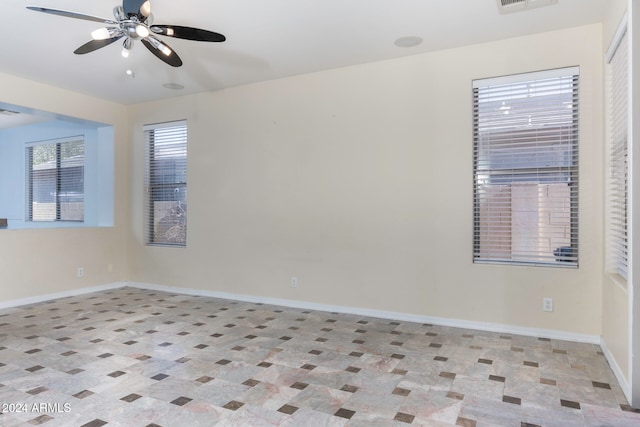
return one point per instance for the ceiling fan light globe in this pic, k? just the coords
(101, 34)
(145, 9)
(126, 47)
(142, 31)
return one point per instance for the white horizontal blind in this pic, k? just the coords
(617, 249)
(526, 168)
(55, 180)
(166, 184)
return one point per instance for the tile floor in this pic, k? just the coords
(132, 357)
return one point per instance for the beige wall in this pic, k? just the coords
(615, 297)
(39, 262)
(359, 182)
(613, 15)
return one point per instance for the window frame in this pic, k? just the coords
(59, 180)
(156, 186)
(617, 226)
(563, 255)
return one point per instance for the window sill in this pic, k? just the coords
(563, 265)
(45, 225)
(619, 281)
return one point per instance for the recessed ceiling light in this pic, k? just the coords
(408, 41)
(173, 86)
(130, 73)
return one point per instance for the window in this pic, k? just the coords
(55, 180)
(525, 138)
(166, 184)
(56, 172)
(618, 185)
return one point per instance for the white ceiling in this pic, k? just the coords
(266, 39)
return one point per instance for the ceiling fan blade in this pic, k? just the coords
(72, 15)
(154, 45)
(139, 8)
(95, 45)
(188, 33)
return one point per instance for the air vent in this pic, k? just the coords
(510, 6)
(8, 112)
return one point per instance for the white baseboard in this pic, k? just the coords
(613, 364)
(65, 294)
(391, 315)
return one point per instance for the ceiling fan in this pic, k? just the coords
(134, 21)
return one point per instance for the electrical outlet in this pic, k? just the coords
(80, 272)
(547, 304)
(109, 268)
(294, 282)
